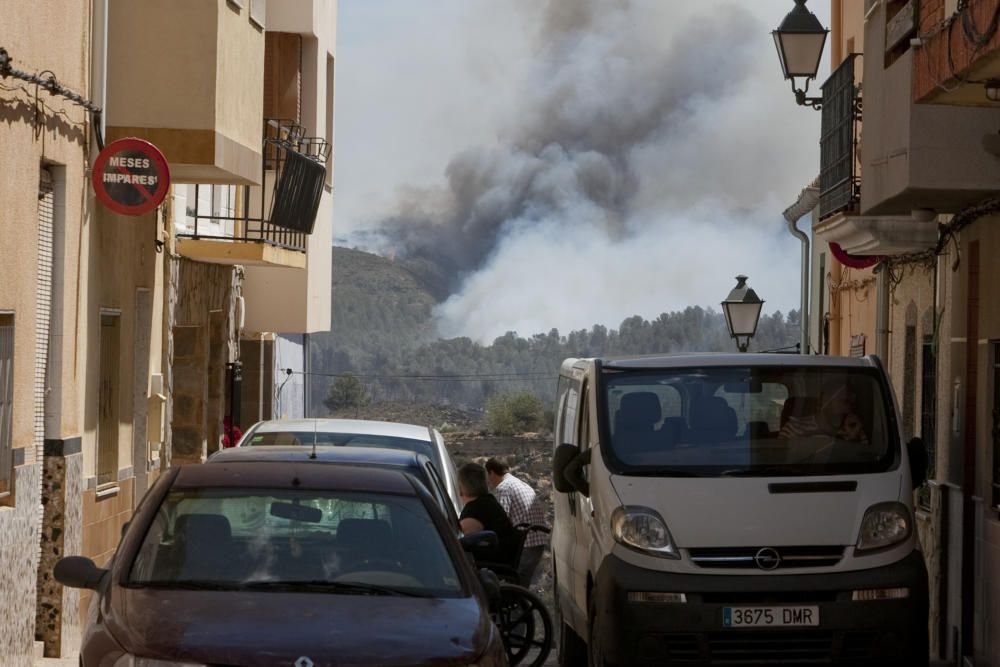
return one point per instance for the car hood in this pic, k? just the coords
(270, 628)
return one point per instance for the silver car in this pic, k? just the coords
(358, 433)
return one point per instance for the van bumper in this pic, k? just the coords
(886, 632)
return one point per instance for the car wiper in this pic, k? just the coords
(184, 585)
(323, 586)
(672, 472)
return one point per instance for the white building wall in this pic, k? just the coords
(289, 389)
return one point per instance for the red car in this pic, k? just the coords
(279, 563)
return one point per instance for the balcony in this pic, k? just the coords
(958, 54)
(839, 180)
(259, 226)
(917, 156)
(202, 110)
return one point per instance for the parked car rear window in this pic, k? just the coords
(239, 538)
(749, 421)
(327, 439)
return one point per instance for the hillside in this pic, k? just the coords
(383, 332)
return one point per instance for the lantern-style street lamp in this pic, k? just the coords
(742, 309)
(800, 39)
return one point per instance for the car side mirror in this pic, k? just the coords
(78, 572)
(917, 452)
(482, 540)
(567, 469)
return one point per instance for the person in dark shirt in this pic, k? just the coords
(483, 512)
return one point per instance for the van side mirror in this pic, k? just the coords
(78, 572)
(917, 452)
(567, 469)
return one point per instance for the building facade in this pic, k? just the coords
(906, 223)
(123, 338)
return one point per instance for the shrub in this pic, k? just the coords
(514, 413)
(346, 392)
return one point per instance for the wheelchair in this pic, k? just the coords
(524, 622)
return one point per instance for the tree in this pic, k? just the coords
(346, 392)
(514, 413)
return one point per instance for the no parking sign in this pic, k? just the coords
(131, 176)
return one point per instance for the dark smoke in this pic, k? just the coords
(602, 88)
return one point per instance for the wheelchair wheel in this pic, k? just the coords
(525, 626)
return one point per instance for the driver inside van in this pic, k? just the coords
(836, 416)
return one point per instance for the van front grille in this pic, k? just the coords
(766, 558)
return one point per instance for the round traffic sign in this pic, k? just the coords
(131, 176)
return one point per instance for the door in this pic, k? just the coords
(583, 516)
(565, 506)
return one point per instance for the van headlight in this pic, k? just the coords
(643, 529)
(884, 525)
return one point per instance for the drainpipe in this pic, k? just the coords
(807, 201)
(882, 316)
(99, 62)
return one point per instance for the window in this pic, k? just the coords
(107, 401)
(285, 540)
(996, 426)
(928, 414)
(809, 420)
(6, 401)
(329, 118)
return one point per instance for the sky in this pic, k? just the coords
(564, 163)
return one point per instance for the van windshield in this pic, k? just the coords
(774, 421)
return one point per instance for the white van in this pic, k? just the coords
(735, 510)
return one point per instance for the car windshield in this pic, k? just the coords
(748, 421)
(327, 439)
(283, 539)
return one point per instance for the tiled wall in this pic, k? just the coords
(103, 519)
(18, 565)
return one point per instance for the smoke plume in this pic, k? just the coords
(643, 161)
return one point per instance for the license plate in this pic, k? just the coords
(769, 617)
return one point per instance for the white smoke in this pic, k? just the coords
(652, 151)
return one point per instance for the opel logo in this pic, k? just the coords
(767, 559)
(304, 661)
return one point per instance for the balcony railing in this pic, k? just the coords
(839, 177)
(280, 213)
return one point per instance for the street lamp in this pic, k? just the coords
(742, 309)
(800, 39)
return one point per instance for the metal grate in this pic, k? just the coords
(771, 648)
(839, 178)
(283, 211)
(746, 557)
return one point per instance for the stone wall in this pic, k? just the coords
(18, 567)
(58, 623)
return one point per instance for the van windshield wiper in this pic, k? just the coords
(324, 586)
(768, 471)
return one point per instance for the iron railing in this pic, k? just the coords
(839, 177)
(282, 211)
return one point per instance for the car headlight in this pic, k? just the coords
(884, 525)
(643, 529)
(129, 660)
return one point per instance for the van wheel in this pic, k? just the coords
(595, 647)
(572, 649)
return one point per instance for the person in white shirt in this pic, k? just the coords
(522, 505)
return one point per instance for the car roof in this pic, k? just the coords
(324, 454)
(366, 426)
(709, 360)
(292, 475)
